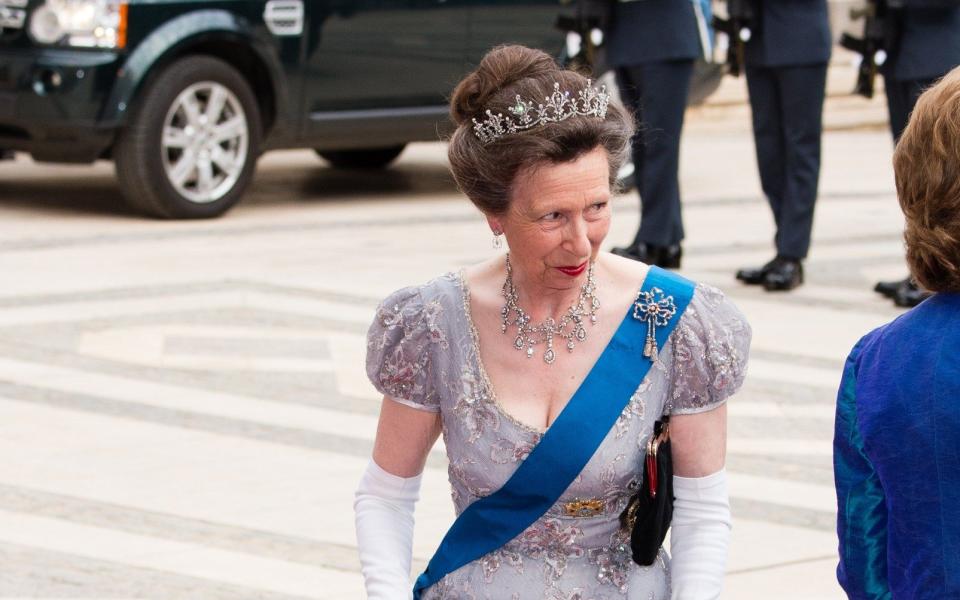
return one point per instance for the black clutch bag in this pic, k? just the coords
(648, 515)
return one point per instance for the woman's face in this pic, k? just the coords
(557, 219)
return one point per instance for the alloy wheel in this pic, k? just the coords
(204, 142)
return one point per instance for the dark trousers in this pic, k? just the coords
(902, 95)
(787, 107)
(657, 93)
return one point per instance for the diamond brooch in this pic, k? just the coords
(656, 309)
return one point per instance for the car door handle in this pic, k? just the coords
(284, 17)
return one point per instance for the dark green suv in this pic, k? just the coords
(184, 95)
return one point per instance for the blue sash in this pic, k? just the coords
(566, 447)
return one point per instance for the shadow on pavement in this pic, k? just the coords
(326, 184)
(94, 191)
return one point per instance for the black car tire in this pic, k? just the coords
(367, 158)
(141, 153)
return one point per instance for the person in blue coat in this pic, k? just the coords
(786, 68)
(896, 458)
(926, 46)
(652, 45)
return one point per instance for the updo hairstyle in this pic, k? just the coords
(926, 164)
(486, 172)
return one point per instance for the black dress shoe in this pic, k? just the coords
(668, 257)
(640, 252)
(755, 275)
(783, 275)
(909, 294)
(888, 289)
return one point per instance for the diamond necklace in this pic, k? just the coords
(570, 327)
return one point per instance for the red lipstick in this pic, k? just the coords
(574, 270)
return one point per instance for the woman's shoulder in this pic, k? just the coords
(623, 269)
(623, 275)
(417, 315)
(443, 291)
(407, 338)
(920, 330)
(710, 301)
(710, 346)
(709, 350)
(634, 275)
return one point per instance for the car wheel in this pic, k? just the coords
(190, 147)
(367, 158)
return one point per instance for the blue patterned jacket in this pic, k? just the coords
(897, 458)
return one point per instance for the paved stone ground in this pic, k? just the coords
(183, 410)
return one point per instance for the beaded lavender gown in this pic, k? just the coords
(423, 352)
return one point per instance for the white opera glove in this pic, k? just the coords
(383, 507)
(699, 536)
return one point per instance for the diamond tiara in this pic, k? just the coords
(559, 106)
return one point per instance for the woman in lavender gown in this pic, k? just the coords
(490, 356)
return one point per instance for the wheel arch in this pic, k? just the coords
(214, 33)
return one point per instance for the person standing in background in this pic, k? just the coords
(653, 45)
(926, 46)
(786, 68)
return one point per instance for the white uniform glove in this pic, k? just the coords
(699, 536)
(383, 507)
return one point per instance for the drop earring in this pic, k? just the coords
(497, 240)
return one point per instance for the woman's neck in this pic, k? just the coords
(541, 302)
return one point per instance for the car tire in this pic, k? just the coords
(191, 143)
(367, 158)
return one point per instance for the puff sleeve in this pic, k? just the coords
(404, 344)
(710, 349)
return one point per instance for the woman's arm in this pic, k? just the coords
(405, 436)
(699, 442)
(700, 531)
(861, 504)
(710, 349)
(386, 497)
